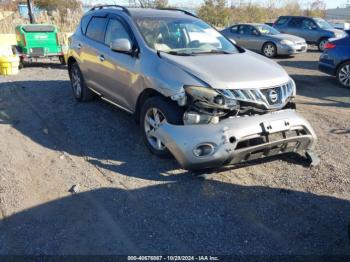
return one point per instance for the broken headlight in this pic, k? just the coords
(206, 97)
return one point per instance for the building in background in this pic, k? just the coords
(340, 14)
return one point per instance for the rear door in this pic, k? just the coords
(232, 33)
(294, 26)
(90, 53)
(248, 37)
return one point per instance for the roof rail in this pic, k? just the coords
(180, 10)
(99, 7)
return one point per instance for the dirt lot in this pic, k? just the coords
(130, 202)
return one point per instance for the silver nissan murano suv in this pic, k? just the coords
(196, 95)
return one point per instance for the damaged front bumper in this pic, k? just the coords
(238, 139)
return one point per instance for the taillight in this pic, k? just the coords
(329, 45)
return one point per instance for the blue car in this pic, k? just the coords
(335, 60)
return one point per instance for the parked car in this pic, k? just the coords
(265, 39)
(36, 42)
(205, 101)
(314, 30)
(342, 26)
(335, 60)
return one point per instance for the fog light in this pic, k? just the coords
(191, 118)
(203, 150)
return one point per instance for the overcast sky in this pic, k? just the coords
(191, 3)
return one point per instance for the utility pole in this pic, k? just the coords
(30, 12)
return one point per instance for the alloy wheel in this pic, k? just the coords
(322, 44)
(153, 119)
(269, 50)
(344, 75)
(76, 82)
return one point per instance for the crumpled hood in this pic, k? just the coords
(293, 38)
(232, 71)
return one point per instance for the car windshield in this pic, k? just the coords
(183, 36)
(323, 24)
(267, 30)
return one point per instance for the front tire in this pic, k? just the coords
(81, 92)
(269, 50)
(343, 74)
(154, 112)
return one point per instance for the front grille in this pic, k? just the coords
(270, 98)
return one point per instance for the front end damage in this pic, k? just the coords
(238, 139)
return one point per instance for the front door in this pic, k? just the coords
(118, 70)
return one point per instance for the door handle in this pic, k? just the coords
(79, 46)
(102, 58)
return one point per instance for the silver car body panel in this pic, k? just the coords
(121, 78)
(182, 140)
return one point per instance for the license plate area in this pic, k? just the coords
(276, 126)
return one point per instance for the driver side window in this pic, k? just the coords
(116, 30)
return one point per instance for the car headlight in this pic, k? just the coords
(209, 97)
(294, 87)
(286, 42)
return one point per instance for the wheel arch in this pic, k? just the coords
(268, 42)
(71, 60)
(322, 38)
(145, 94)
(340, 64)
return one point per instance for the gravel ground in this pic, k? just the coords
(129, 202)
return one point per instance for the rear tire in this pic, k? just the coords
(321, 44)
(269, 50)
(81, 92)
(155, 111)
(343, 74)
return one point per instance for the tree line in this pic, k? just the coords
(216, 12)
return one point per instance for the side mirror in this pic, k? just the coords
(121, 45)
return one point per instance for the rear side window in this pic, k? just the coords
(295, 22)
(84, 23)
(234, 29)
(281, 21)
(96, 29)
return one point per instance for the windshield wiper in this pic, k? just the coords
(176, 53)
(215, 52)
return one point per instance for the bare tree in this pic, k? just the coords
(150, 3)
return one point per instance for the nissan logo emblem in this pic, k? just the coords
(273, 96)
